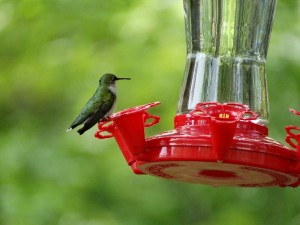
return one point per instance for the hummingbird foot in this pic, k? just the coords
(103, 119)
(69, 129)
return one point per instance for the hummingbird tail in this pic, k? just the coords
(81, 131)
(69, 129)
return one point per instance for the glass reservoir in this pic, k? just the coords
(227, 43)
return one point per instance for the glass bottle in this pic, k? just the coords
(227, 43)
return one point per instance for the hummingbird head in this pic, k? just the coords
(108, 79)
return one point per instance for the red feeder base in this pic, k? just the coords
(216, 144)
(218, 174)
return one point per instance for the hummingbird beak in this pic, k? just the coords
(124, 78)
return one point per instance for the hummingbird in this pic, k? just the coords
(101, 104)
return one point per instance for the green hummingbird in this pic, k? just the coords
(101, 104)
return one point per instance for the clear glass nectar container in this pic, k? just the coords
(227, 43)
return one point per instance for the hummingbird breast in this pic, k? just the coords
(113, 90)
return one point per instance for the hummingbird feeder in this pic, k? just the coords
(220, 134)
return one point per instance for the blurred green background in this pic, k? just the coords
(52, 54)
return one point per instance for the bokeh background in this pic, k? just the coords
(52, 54)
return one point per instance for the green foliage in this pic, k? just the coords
(51, 56)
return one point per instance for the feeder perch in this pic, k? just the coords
(220, 135)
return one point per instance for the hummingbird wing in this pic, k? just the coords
(88, 110)
(85, 114)
(102, 113)
(104, 110)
